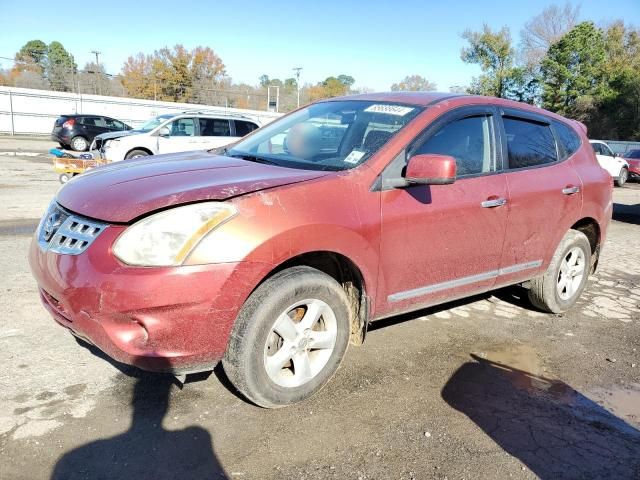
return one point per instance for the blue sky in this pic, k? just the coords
(377, 42)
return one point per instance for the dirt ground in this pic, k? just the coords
(484, 388)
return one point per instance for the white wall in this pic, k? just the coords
(34, 111)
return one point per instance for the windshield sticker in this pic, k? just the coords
(389, 109)
(354, 157)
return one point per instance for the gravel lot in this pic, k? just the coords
(484, 388)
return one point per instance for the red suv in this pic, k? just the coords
(273, 254)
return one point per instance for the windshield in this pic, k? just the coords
(326, 136)
(155, 122)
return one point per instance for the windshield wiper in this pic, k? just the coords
(251, 158)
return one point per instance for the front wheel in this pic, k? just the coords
(136, 154)
(561, 285)
(64, 178)
(289, 337)
(622, 177)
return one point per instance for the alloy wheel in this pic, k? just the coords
(572, 271)
(300, 343)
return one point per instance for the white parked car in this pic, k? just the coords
(617, 167)
(174, 133)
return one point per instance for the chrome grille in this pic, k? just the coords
(63, 232)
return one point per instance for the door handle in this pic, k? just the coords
(570, 190)
(494, 202)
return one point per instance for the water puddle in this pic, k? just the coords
(525, 370)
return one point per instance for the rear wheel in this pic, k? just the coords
(561, 285)
(289, 337)
(64, 177)
(79, 144)
(136, 154)
(622, 177)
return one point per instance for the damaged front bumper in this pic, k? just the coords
(170, 319)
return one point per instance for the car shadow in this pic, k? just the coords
(550, 427)
(626, 213)
(146, 450)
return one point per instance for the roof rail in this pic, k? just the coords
(213, 112)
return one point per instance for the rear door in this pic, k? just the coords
(214, 132)
(440, 242)
(182, 137)
(545, 194)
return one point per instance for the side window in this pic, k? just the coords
(183, 127)
(99, 122)
(606, 150)
(113, 124)
(243, 128)
(596, 148)
(529, 143)
(567, 137)
(214, 127)
(468, 140)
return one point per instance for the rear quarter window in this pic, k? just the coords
(529, 143)
(244, 128)
(567, 137)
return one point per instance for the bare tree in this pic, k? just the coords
(546, 28)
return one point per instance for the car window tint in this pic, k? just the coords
(596, 148)
(468, 140)
(244, 128)
(183, 127)
(214, 127)
(529, 143)
(567, 137)
(113, 124)
(100, 122)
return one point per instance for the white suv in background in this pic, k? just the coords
(617, 167)
(172, 133)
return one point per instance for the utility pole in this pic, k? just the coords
(96, 53)
(297, 70)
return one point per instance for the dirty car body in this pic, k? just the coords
(403, 201)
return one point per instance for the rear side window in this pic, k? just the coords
(468, 140)
(214, 127)
(567, 137)
(244, 128)
(529, 143)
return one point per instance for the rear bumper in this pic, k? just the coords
(159, 319)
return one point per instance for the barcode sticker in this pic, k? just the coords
(354, 157)
(398, 110)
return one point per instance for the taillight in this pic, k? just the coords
(69, 123)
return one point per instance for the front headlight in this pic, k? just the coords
(166, 238)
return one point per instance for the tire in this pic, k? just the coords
(136, 154)
(79, 144)
(622, 177)
(64, 178)
(548, 292)
(286, 299)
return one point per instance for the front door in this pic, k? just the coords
(182, 137)
(439, 242)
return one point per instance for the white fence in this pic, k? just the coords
(24, 111)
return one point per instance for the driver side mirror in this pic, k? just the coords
(431, 169)
(164, 132)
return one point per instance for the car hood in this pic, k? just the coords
(122, 133)
(123, 191)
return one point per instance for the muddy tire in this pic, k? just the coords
(136, 154)
(289, 338)
(79, 144)
(561, 285)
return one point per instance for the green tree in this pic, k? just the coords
(493, 52)
(573, 70)
(414, 83)
(60, 67)
(346, 80)
(33, 53)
